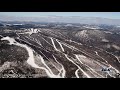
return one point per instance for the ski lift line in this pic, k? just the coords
(77, 66)
(54, 44)
(101, 57)
(60, 45)
(34, 41)
(88, 66)
(64, 72)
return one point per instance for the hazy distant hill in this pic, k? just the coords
(71, 19)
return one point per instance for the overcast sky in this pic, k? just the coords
(111, 15)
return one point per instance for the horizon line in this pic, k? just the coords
(59, 16)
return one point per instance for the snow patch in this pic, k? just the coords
(105, 40)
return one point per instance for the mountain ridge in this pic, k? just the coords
(64, 19)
